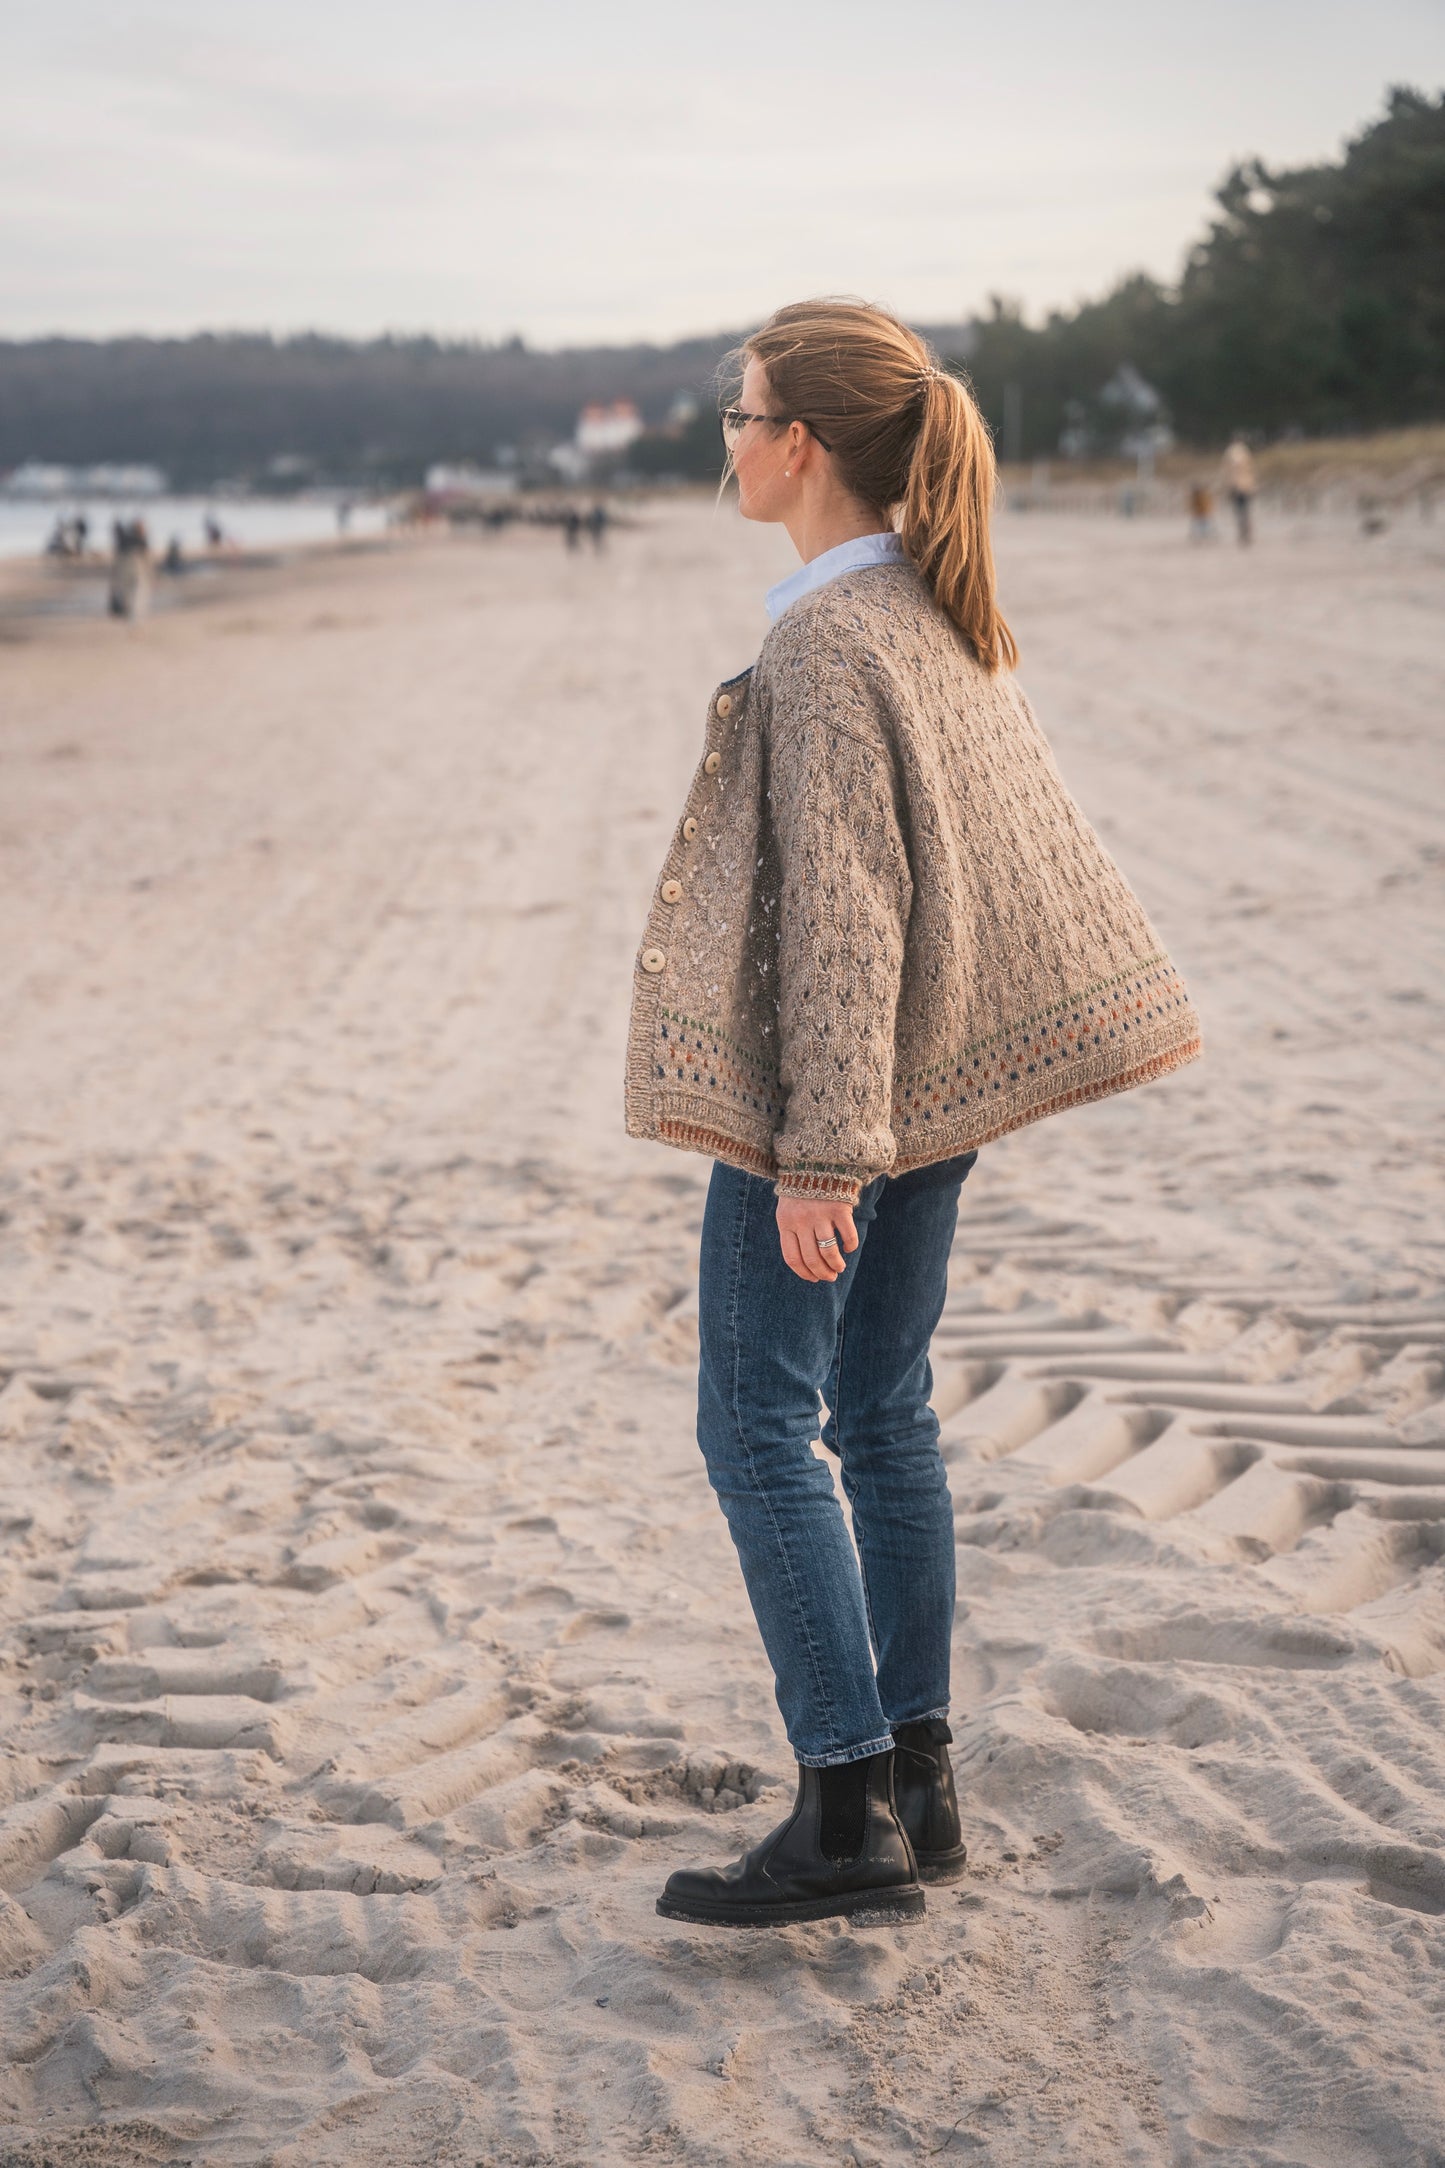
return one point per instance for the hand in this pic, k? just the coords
(800, 1223)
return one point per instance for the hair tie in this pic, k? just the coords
(926, 376)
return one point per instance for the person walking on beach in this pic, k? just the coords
(1239, 480)
(883, 935)
(130, 569)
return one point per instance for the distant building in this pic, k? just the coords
(37, 478)
(602, 430)
(570, 462)
(468, 481)
(1140, 412)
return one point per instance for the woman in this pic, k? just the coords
(883, 934)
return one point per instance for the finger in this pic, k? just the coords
(823, 1265)
(830, 1256)
(839, 1224)
(795, 1237)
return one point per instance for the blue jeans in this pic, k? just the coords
(771, 1343)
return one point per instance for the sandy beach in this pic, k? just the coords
(371, 1647)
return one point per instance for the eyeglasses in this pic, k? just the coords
(733, 421)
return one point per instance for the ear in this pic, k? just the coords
(801, 445)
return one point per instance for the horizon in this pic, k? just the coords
(579, 183)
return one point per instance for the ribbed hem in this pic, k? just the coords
(823, 1188)
(691, 1136)
(849, 1754)
(667, 1116)
(967, 1135)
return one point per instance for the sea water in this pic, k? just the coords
(26, 523)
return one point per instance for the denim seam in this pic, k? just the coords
(819, 1681)
(851, 1488)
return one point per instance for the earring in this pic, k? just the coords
(787, 474)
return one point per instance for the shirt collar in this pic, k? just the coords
(865, 549)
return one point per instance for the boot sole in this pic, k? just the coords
(869, 1907)
(942, 1866)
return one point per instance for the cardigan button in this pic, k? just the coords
(724, 705)
(689, 829)
(653, 959)
(713, 763)
(671, 891)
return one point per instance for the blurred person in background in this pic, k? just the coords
(1201, 513)
(883, 935)
(130, 568)
(68, 536)
(1239, 480)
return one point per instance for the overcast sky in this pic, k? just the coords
(600, 172)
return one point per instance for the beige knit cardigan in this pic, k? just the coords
(884, 932)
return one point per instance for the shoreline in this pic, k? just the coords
(38, 593)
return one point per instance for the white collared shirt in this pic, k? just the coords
(865, 549)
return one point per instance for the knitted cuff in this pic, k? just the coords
(825, 1186)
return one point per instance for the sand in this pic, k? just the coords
(370, 1646)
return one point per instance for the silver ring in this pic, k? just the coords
(826, 1242)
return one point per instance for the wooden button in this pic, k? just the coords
(724, 705)
(689, 829)
(713, 763)
(671, 891)
(653, 959)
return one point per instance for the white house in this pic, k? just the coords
(603, 429)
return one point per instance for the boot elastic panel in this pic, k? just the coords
(925, 1731)
(843, 1810)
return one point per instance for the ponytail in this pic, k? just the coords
(952, 479)
(906, 437)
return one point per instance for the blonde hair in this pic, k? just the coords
(906, 436)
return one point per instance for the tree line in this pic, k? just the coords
(1314, 305)
(253, 407)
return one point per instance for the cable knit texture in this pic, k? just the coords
(884, 932)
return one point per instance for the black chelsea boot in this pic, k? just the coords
(927, 1802)
(842, 1851)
